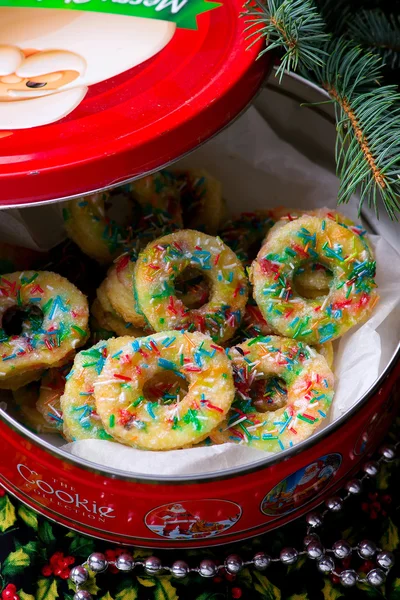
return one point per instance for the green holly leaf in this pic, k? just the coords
(18, 560)
(382, 479)
(28, 516)
(45, 534)
(107, 597)
(245, 578)
(90, 585)
(165, 590)
(390, 539)
(330, 591)
(146, 581)
(81, 546)
(372, 593)
(46, 589)
(24, 596)
(303, 596)
(395, 591)
(7, 513)
(297, 565)
(128, 593)
(265, 588)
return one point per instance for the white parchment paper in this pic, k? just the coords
(257, 170)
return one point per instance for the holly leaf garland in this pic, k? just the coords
(45, 534)
(24, 596)
(7, 513)
(165, 590)
(107, 596)
(28, 516)
(46, 589)
(18, 560)
(146, 581)
(81, 546)
(265, 588)
(127, 593)
(390, 538)
(330, 591)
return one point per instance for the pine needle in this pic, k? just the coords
(368, 126)
(377, 32)
(293, 25)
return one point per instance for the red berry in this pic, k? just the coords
(387, 499)
(15, 597)
(367, 566)
(373, 514)
(47, 570)
(217, 579)
(230, 576)
(335, 579)
(58, 571)
(69, 560)
(236, 592)
(373, 496)
(346, 562)
(64, 574)
(55, 559)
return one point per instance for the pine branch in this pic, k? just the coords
(380, 33)
(368, 126)
(293, 25)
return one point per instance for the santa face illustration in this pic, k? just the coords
(49, 57)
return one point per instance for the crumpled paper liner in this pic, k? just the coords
(257, 170)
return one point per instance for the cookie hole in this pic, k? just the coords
(192, 287)
(267, 395)
(165, 388)
(15, 318)
(312, 280)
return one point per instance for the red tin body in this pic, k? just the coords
(222, 508)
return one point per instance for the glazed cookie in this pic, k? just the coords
(165, 259)
(352, 294)
(122, 398)
(292, 402)
(46, 318)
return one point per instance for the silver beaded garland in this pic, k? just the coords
(208, 568)
(348, 578)
(366, 549)
(388, 453)
(78, 575)
(376, 577)
(180, 569)
(82, 595)
(371, 468)
(288, 556)
(233, 564)
(334, 504)
(385, 559)
(326, 564)
(152, 565)
(315, 550)
(125, 562)
(341, 549)
(97, 562)
(353, 486)
(311, 537)
(261, 561)
(314, 519)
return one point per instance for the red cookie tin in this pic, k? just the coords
(218, 508)
(89, 100)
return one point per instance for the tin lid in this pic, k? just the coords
(103, 91)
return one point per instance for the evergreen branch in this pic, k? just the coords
(293, 25)
(368, 126)
(377, 32)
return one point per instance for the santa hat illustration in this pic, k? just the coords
(65, 52)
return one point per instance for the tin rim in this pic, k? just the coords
(217, 475)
